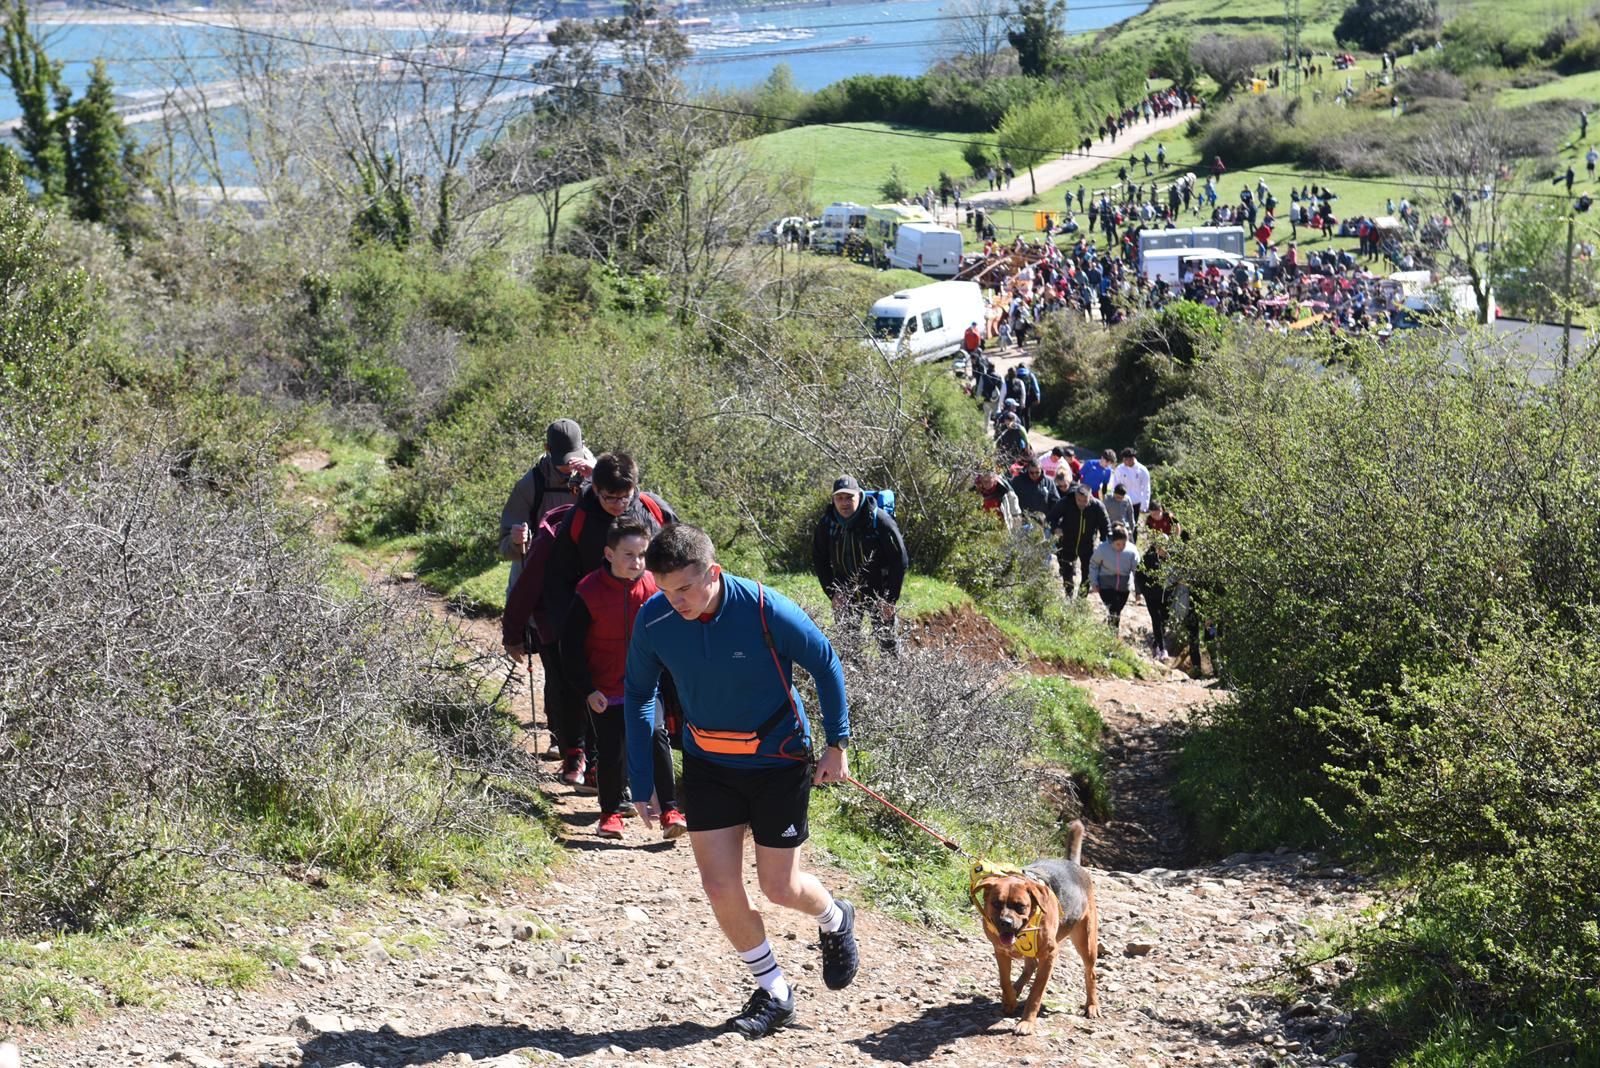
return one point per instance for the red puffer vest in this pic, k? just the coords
(613, 603)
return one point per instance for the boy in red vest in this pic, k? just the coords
(594, 652)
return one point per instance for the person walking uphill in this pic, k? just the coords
(1079, 521)
(1111, 571)
(557, 480)
(579, 548)
(731, 645)
(594, 648)
(859, 557)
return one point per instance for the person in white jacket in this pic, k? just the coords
(1136, 477)
(1111, 569)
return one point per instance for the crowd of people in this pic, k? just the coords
(649, 645)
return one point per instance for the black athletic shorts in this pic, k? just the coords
(773, 801)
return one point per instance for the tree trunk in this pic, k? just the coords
(1032, 185)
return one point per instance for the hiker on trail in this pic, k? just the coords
(1010, 441)
(1079, 522)
(1148, 581)
(730, 645)
(1136, 477)
(859, 557)
(594, 650)
(972, 340)
(1036, 493)
(1055, 460)
(989, 389)
(998, 497)
(1033, 394)
(579, 548)
(1161, 156)
(1120, 510)
(1111, 568)
(557, 480)
(1096, 474)
(1590, 158)
(1146, 161)
(1569, 177)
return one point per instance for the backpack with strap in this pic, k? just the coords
(748, 743)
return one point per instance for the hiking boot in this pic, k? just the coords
(764, 1014)
(611, 825)
(840, 957)
(673, 825)
(572, 766)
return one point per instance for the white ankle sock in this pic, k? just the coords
(831, 918)
(764, 966)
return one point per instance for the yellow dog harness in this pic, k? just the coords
(1026, 943)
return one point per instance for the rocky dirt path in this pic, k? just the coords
(613, 959)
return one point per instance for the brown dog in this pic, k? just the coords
(1036, 910)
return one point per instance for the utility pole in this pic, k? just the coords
(1291, 40)
(1566, 288)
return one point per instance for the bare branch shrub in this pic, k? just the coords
(182, 691)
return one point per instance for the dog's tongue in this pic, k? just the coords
(1006, 938)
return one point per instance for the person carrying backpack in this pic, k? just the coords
(555, 482)
(860, 559)
(1033, 394)
(573, 548)
(1079, 521)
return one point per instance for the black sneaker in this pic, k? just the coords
(764, 1014)
(840, 957)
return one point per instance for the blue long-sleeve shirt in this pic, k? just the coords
(725, 677)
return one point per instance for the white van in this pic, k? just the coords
(1169, 263)
(926, 323)
(927, 247)
(840, 221)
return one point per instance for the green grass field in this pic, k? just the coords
(850, 164)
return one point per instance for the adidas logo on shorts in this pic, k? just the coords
(791, 832)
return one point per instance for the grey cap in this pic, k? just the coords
(564, 441)
(846, 484)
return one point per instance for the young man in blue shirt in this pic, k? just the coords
(730, 645)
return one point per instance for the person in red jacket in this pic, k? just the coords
(594, 653)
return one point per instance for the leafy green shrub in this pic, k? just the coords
(1581, 53)
(1373, 25)
(1484, 780)
(1070, 362)
(1333, 611)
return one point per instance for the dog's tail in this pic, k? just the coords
(1075, 840)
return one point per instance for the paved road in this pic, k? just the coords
(1049, 175)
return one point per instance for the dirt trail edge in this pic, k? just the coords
(615, 959)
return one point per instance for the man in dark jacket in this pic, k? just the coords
(1010, 441)
(1035, 493)
(860, 559)
(580, 547)
(1079, 520)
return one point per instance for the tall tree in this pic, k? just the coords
(1035, 32)
(977, 33)
(1036, 131)
(43, 99)
(102, 164)
(1464, 164)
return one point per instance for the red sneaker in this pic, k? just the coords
(673, 825)
(611, 825)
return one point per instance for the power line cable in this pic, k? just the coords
(715, 109)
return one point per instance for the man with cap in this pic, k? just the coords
(559, 478)
(1010, 440)
(859, 557)
(1079, 520)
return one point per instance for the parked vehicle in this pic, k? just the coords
(925, 323)
(839, 223)
(1172, 263)
(1225, 238)
(929, 248)
(884, 222)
